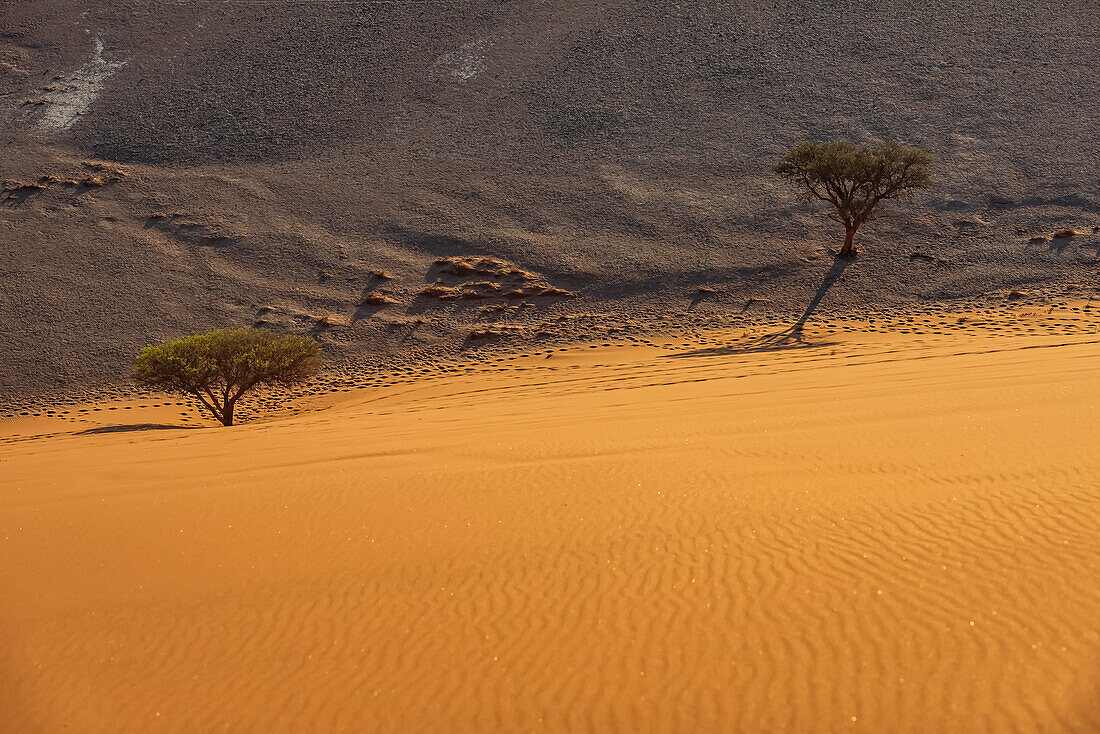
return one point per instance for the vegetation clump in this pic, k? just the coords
(377, 298)
(440, 291)
(218, 367)
(480, 265)
(854, 178)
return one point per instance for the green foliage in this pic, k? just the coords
(854, 179)
(220, 366)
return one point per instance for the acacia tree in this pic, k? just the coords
(220, 366)
(854, 179)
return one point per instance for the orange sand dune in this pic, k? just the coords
(888, 533)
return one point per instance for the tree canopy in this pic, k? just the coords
(854, 178)
(220, 366)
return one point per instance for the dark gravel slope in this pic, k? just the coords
(618, 149)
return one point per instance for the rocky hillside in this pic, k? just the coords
(173, 166)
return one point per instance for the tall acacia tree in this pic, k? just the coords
(218, 367)
(854, 178)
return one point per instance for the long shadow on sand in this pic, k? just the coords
(134, 427)
(791, 337)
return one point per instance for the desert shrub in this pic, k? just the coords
(218, 367)
(854, 179)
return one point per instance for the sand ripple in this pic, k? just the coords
(872, 536)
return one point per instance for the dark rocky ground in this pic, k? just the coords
(255, 162)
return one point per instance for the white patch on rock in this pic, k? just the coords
(76, 92)
(464, 64)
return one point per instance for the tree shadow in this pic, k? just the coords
(134, 427)
(791, 337)
(839, 265)
(1058, 245)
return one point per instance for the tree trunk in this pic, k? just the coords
(227, 413)
(848, 251)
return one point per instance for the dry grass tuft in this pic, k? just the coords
(480, 334)
(21, 186)
(332, 319)
(554, 292)
(481, 265)
(440, 291)
(508, 281)
(375, 298)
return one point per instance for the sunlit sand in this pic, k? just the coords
(858, 531)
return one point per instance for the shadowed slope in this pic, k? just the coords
(619, 148)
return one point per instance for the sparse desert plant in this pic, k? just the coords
(329, 320)
(854, 178)
(377, 298)
(480, 334)
(440, 291)
(481, 265)
(218, 367)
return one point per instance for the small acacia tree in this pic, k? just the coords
(220, 366)
(854, 179)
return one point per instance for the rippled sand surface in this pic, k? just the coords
(857, 532)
